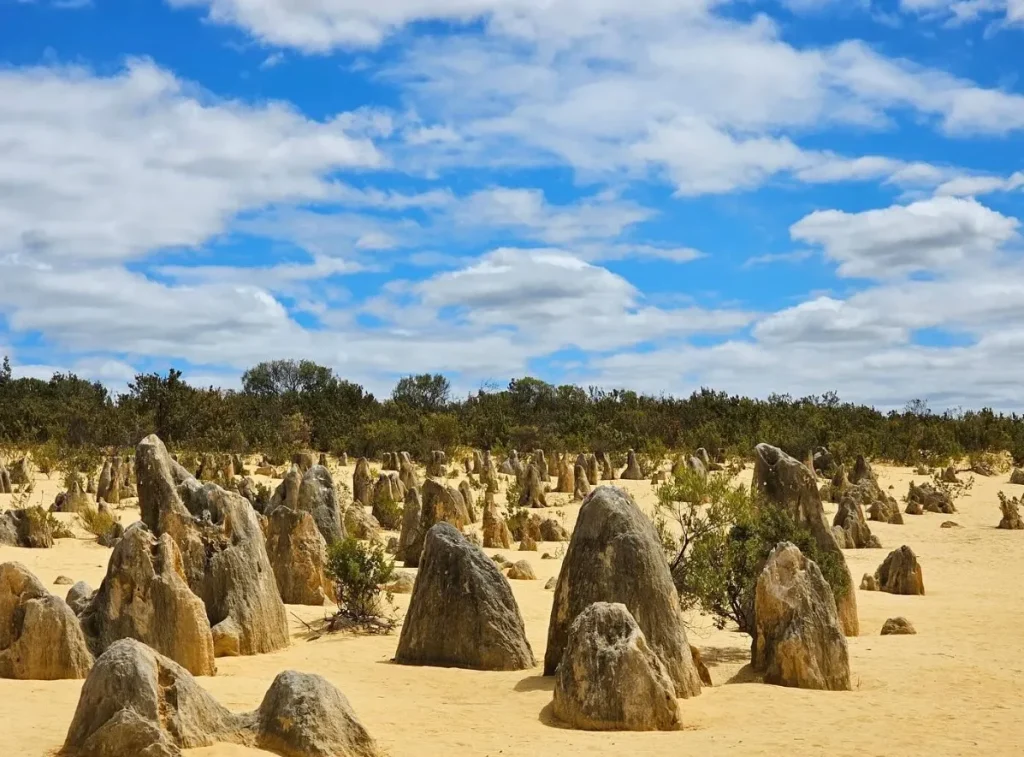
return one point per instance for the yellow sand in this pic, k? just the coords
(953, 689)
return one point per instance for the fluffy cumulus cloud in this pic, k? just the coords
(930, 235)
(677, 191)
(115, 167)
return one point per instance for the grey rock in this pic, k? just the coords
(610, 678)
(798, 641)
(614, 555)
(787, 483)
(298, 555)
(462, 612)
(40, 637)
(145, 596)
(901, 573)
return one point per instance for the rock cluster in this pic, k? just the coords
(138, 702)
(787, 483)
(614, 556)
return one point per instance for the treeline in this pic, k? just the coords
(288, 405)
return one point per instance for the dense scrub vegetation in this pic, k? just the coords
(285, 405)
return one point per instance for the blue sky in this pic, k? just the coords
(794, 196)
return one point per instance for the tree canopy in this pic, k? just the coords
(285, 404)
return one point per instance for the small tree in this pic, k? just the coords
(725, 537)
(360, 573)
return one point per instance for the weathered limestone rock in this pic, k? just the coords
(388, 494)
(304, 460)
(462, 612)
(867, 494)
(223, 553)
(495, 531)
(609, 678)
(539, 461)
(40, 637)
(522, 571)
(489, 474)
(75, 500)
(508, 467)
(410, 540)
(566, 476)
(702, 670)
(697, 466)
(287, 492)
(926, 497)
(145, 596)
(868, 583)
(607, 469)
(304, 715)
(824, 462)
(361, 524)
(79, 597)
(532, 494)
(137, 702)
(632, 472)
(900, 573)
(403, 583)
(950, 477)
(298, 554)
(702, 455)
(6, 486)
(581, 484)
(614, 555)
(898, 627)
(28, 528)
(1010, 508)
(552, 530)
(318, 497)
(851, 523)
(593, 469)
(437, 467)
(407, 472)
(528, 543)
(362, 484)
(797, 638)
(861, 470)
(787, 483)
(1017, 477)
(466, 492)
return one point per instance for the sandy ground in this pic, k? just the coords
(953, 689)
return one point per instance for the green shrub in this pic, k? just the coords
(96, 522)
(388, 513)
(58, 528)
(725, 537)
(359, 571)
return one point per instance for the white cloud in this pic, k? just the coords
(553, 300)
(964, 11)
(526, 210)
(116, 167)
(968, 186)
(828, 322)
(935, 234)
